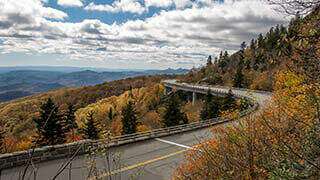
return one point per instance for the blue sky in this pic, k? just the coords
(79, 14)
(137, 34)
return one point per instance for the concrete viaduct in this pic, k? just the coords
(150, 155)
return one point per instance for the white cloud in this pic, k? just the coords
(98, 7)
(174, 38)
(52, 13)
(158, 3)
(132, 6)
(181, 4)
(32, 10)
(70, 3)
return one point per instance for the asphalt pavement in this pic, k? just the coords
(154, 159)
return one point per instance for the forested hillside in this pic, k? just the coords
(16, 117)
(19, 83)
(254, 66)
(149, 106)
(110, 109)
(283, 142)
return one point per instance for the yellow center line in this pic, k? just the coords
(127, 168)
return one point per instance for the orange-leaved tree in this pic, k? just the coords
(283, 141)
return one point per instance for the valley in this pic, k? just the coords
(20, 83)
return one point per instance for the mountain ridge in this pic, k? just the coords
(28, 82)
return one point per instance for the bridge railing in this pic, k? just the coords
(81, 147)
(206, 87)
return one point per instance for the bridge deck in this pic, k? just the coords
(152, 159)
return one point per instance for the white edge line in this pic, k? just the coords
(173, 143)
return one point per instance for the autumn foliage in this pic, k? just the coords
(16, 117)
(282, 141)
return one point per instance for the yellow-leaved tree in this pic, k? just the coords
(281, 142)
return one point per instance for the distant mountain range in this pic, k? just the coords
(16, 82)
(69, 69)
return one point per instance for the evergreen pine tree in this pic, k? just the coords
(216, 60)
(221, 55)
(211, 107)
(277, 33)
(252, 45)
(224, 60)
(110, 114)
(204, 114)
(260, 41)
(293, 26)
(173, 115)
(209, 61)
(239, 79)
(90, 130)
(129, 119)
(283, 30)
(70, 120)
(49, 125)
(228, 101)
(225, 55)
(243, 46)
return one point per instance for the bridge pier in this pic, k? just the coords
(194, 98)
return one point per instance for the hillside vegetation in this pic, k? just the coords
(131, 106)
(151, 108)
(255, 65)
(146, 101)
(19, 83)
(16, 117)
(283, 142)
(280, 142)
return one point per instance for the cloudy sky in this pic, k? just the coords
(141, 34)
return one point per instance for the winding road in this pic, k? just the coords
(151, 159)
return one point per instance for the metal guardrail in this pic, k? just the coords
(189, 125)
(65, 150)
(206, 87)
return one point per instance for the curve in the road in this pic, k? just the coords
(150, 159)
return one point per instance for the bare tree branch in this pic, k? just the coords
(66, 164)
(294, 7)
